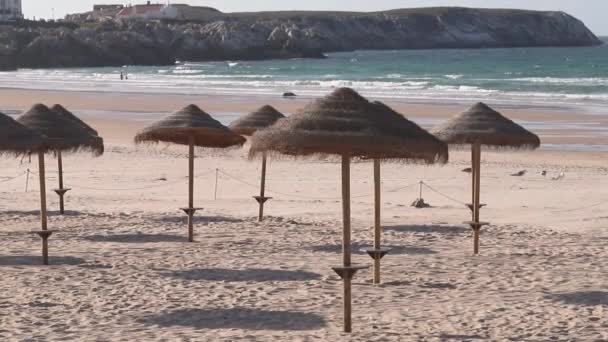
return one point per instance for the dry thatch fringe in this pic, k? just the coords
(488, 127)
(68, 115)
(264, 117)
(162, 148)
(189, 122)
(61, 133)
(17, 139)
(345, 123)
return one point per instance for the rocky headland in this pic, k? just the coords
(78, 42)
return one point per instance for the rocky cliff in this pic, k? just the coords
(268, 35)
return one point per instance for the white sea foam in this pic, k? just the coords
(184, 79)
(454, 77)
(583, 81)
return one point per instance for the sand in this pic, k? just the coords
(123, 271)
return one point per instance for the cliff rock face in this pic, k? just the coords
(267, 35)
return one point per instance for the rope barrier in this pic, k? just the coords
(277, 192)
(580, 208)
(8, 179)
(442, 194)
(141, 188)
(302, 196)
(291, 195)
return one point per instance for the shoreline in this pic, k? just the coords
(574, 128)
(425, 102)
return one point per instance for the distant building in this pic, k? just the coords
(149, 11)
(10, 10)
(102, 8)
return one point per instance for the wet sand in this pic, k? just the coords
(556, 125)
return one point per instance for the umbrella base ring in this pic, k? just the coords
(190, 211)
(348, 271)
(262, 199)
(470, 206)
(477, 225)
(377, 254)
(44, 235)
(61, 192)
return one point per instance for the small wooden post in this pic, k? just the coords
(27, 179)
(377, 224)
(346, 248)
(191, 190)
(477, 195)
(60, 171)
(217, 175)
(262, 190)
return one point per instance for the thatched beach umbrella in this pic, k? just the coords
(344, 124)
(417, 145)
(61, 191)
(482, 126)
(264, 117)
(18, 139)
(193, 127)
(64, 133)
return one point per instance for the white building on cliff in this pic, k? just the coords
(10, 10)
(148, 11)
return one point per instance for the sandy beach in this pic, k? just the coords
(123, 271)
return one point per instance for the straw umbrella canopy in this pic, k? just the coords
(64, 133)
(193, 127)
(483, 126)
(263, 117)
(347, 125)
(18, 139)
(70, 116)
(59, 109)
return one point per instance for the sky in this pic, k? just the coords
(592, 12)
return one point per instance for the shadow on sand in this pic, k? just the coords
(237, 318)
(135, 238)
(36, 260)
(246, 275)
(197, 219)
(452, 337)
(427, 285)
(429, 229)
(357, 248)
(49, 213)
(585, 298)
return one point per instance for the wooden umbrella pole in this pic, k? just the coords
(473, 169)
(377, 224)
(60, 172)
(43, 213)
(41, 172)
(346, 241)
(477, 193)
(191, 190)
(262, 189)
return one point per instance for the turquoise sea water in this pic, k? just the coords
(535, 76)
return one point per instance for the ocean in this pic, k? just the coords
(521, 76)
